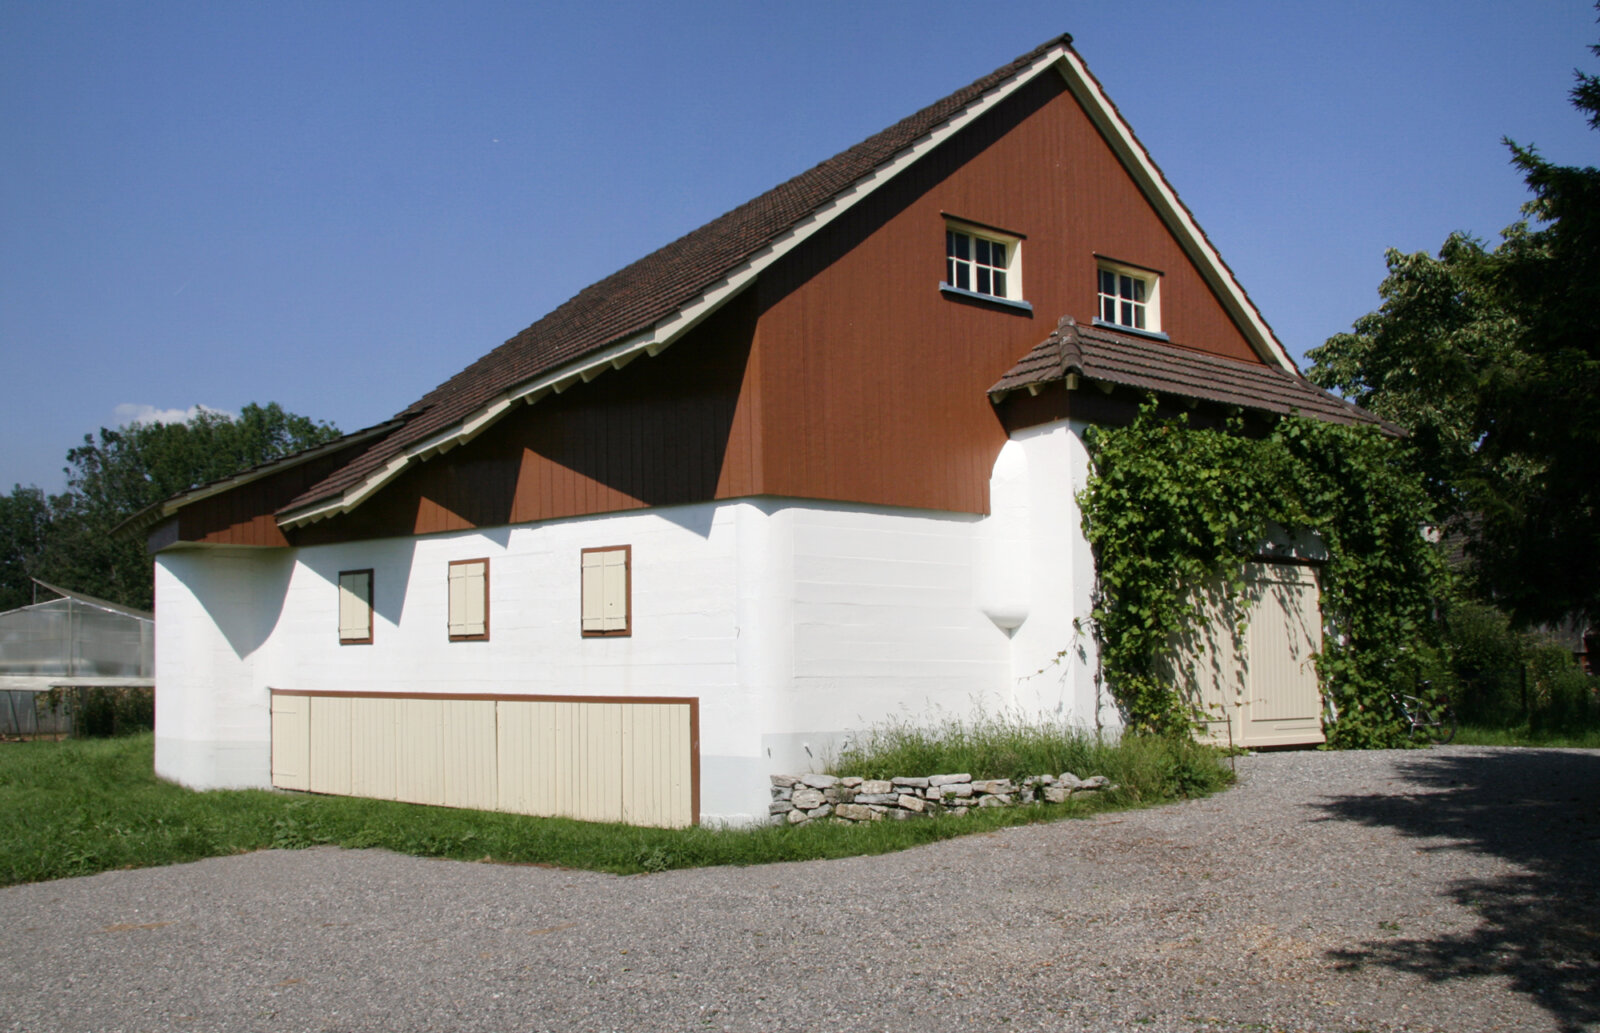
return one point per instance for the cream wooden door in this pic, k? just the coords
(1258, 686)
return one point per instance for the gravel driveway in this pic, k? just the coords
(1452, 889)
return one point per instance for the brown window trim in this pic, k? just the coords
(962, 220)
(626, 631)
(358, 641)
(1101, 256)
(470, 638)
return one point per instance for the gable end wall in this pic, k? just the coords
(873, 382)
(842, 374)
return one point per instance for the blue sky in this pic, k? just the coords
(336, 206)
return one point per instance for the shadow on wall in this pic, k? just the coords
(1539, 929)
(243, 592)
(391, 562)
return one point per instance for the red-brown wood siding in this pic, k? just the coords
(243, 516)
(660, 431)
(874, 381)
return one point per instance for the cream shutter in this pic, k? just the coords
(615, 615)
(468, 598)
(355, 605)
(605, 590)
(594, 591)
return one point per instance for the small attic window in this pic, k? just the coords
(980, 262)
(1128, 298)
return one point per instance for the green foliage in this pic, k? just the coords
(24, 522)
(1483, 670)
(110, 477)
(1171, 510)
(1500, 677)
(89, 805)
(1014, 747)
(105, 710)
(1491, 359)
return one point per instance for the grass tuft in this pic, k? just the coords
(1152, 768)
(86, 806)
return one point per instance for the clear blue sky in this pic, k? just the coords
(336, 206)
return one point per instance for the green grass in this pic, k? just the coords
(1006, 746)
(1523, 735)
(85, 806)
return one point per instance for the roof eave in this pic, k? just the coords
(154, 513)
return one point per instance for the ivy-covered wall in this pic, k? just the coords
(1168, 507)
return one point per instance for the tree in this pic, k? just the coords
(118, 473)
(24, 521)
(1491, 359)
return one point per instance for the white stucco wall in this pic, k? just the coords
(215, 611)
(214, 686)
(795, 623)
(1054, 660)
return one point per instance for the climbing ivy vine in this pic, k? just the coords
(1169, 508)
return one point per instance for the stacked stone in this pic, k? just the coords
(801, 798)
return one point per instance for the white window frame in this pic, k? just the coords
(1011, 270)
(355, 607)
(469, 600)
(607, 591)
(1149, 307)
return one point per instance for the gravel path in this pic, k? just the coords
(1452, 889)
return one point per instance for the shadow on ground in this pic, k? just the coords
(1540, 929)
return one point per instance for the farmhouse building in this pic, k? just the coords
(807, 468)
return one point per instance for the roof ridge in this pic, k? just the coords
(1069, 345)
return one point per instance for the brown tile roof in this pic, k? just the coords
(1096, 353)
(632, 300)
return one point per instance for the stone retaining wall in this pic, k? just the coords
(801, 798)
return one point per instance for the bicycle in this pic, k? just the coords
(1434, 720)
(1431, 719)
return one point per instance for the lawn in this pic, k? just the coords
(1522, 735)
(91, 805)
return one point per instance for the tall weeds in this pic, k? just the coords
(1014, 746)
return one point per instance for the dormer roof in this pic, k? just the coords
(1082, 356)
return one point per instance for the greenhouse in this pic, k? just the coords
(58, 655)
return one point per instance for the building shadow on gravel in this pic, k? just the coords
(1540, 810)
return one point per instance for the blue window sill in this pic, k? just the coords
(1154, 335)
(1021, 306)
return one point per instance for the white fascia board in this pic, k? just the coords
(158, 511)
(354, 496)
(1159, 192)
(671, 328)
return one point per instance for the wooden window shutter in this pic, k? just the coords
(355, 606)
(469, 599)
(606, 591)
